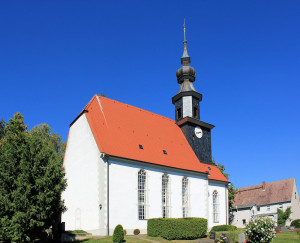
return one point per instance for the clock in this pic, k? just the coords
(198, 132)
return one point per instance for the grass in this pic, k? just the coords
(77, 232)
(285, 237)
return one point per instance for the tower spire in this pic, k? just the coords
(185, 59)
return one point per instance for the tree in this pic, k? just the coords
(2, 128)
(283, 216)
(118, 235)
(31, 180)
(231, 191)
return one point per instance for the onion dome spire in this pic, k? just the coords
(186, 74)
(185, 56)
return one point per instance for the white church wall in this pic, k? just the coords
(223, 207)
(85, 173)
(123, 194)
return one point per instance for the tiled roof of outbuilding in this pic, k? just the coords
(275, 192)
(119, 130)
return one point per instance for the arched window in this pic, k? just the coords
(185, 197)
(215, 207)
(142, 194)
(165, 195)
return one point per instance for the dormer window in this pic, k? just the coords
(178, 113)
(141, 146)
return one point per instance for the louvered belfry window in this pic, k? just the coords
(142, 194)
(185, 197)
(215, 207)
(165, 196)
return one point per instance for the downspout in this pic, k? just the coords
(107, 196)
(226, 200)
(104, 156)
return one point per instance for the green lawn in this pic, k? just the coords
(286, 237)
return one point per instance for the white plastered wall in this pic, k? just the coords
(223, 207)
(187, 106)
(86, 178)
(123, 194)
(295, 203)
(269, 210)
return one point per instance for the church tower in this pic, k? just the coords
(187, 110)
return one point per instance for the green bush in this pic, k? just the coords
(296, 223)
(177, 229)
(136, 232)
(224, 227)
(260, 228)
(118, 235)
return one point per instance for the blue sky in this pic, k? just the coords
(55, 55)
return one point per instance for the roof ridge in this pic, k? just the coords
(141, 109)
(246, 188)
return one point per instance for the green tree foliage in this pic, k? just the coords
(2, 128)
(118, 235)
(231, 191)
(31, 180)
(296, 223)
(283, 216)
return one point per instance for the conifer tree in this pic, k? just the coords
(31, 180)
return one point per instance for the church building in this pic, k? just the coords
(125, 165)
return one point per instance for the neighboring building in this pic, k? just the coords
(264, 199)
(124, 164)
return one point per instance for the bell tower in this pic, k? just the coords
(187, 109)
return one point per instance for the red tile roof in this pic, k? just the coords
(119, 129)
(275, 192)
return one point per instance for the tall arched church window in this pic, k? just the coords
(185, 197)
(215, 207)
(165, 196)
(142, 194)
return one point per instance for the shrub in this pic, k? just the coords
(283, 216)
(260, 228)
(177, 229)
(296, 223)
(125, 231)
(224, 227)
(136, 232)
(118, 235)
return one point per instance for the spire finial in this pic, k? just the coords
(185, 59)
(184, 30)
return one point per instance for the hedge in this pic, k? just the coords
(224, 227)
(296, 223)
(177, 229)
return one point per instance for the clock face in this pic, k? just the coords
(198, 132)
